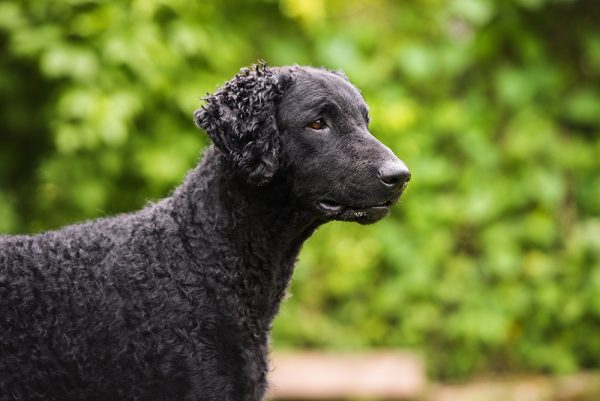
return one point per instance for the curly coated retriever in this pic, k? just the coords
(175, 301)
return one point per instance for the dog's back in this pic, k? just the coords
(80, 306)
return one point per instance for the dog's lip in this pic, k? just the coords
(331, 206)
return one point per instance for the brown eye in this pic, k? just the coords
(318, 124)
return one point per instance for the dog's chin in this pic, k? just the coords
(365, 215)
(362, 215)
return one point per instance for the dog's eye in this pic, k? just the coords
(318, 124)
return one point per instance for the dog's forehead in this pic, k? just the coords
(312, 84)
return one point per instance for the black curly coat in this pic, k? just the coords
(175, 302)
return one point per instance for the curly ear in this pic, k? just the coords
(240, 119)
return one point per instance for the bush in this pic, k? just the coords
(491, 263)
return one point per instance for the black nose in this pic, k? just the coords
(394, 175)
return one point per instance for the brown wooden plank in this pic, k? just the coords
(314, 375)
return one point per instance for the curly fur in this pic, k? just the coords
(175, 301)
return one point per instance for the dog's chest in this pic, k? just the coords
(230, 360)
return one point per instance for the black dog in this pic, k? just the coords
(175, 302)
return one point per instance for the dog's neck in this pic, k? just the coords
(254, 233)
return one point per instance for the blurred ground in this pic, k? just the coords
(393, 375)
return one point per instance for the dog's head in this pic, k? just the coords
(311, 126)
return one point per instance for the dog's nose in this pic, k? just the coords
(394, 175)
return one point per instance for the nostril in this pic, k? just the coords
(394, 175)
(390, 179)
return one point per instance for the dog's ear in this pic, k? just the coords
(240, 118)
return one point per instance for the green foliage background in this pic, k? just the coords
(490, 264)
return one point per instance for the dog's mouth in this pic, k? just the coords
(363, 214)
(334, 207)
